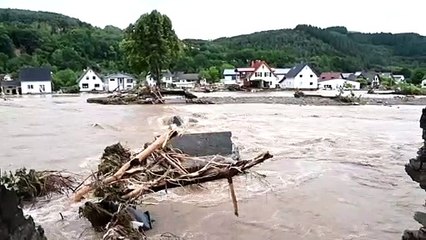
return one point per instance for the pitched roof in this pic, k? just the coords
(330, 75)
(295, 70)
(257, 64)
(281, 71)
(188, 76)
(35, 75)
(229, 72)
(346, 75)
(119, 75)
(13, 83)
(369, 75)
(85, 72)
(351, 77)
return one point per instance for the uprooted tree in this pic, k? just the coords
(151, 44)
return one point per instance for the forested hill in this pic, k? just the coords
(328, 49)
(29, 38)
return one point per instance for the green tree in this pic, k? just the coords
(417, 76)
(65, 78)
(211, 75)
(151, 44)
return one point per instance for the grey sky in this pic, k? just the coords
(209, 19)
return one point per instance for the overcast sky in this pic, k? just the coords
(209, 19)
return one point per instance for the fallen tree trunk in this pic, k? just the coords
(158, 143)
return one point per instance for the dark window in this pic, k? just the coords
(94, 77)
(96, 85)
(322, 77)
(311, 83)
(129, 86)
(85, 85)
(129, 80)
(300, 75)
(112, 80)
(87, 78)
(30, 87)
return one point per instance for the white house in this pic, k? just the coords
(399, 78)
(336, 84)
(119, 82)
(424, 83)
(90, 81)
(35, 80)
(166, 79)
(231, 76)
(281, 72)
(301, 76)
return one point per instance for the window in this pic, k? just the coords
(85, 85)
(311, 83)
(96, 85)
(300, 75)
(94, 77)
(42, 88)
(87, 78)
(270, 74)
(129, 80)
(30, 86)
(265, 74)
(129, 86)
(112, 80)
(120, 80)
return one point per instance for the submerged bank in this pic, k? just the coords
(315, 101)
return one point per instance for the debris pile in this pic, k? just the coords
(29, 184)
(416, 169)
(147, 95)
(123, 179)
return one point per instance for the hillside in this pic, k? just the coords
(29, 38)
(328, 49)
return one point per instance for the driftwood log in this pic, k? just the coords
(158, 143)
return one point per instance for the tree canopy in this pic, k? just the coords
(151, 44)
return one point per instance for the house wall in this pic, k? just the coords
(151, 82)
(36, 87)
(336, 84)
(116, 83)
(90, 81)
(265, 74)
(305, 79)
(424, 83)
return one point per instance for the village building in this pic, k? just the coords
(281, 72)
(90, 81)
(373, 78)
(330, 75)
(424, 83)
(119, 82)
(10, 87)
(166, 79)
(337, 84)
(35, 80)
(301, 76)
(399, 78)
(258, 75)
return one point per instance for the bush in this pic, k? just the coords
(410, 89)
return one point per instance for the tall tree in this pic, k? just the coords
(151, 44)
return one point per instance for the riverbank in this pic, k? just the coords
(315, 101)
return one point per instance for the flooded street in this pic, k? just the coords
(337, 172)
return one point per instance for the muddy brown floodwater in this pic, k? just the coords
(337, 172)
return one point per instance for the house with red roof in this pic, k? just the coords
(325, 76)
(258, 75)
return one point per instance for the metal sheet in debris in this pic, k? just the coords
(204, 144)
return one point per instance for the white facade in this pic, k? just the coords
(119, 82)
(399, 78)
(306, 78)
(36, 87)
(7, 77)
(424, 83)
(168, 80)
(336, 84)
(90, 81)
(265, 74)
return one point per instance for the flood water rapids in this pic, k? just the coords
(337, 172)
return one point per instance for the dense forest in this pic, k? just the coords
(67, 45)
